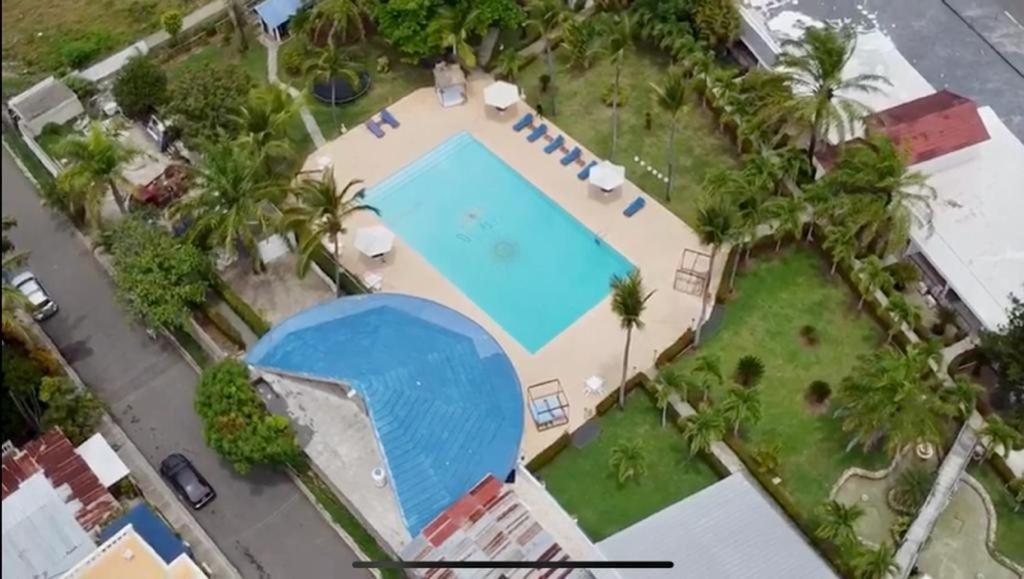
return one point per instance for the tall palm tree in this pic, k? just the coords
(321, 211)
(344, 19)
(231, 206)
(999, 434)
(703, 429)
(453, 27)
(709, 368)
(741, 405)
(628, 461)
(264, 120)
(671, 97)
(901, 312)
(872, 276)
(821, 101)
(619, 35)
(716, 225)
(546, 16)
(876, 563)
(629, 300)
(788, 214)
(95, 163)
(329, 63)
(841, 242)
(837, 523)
(667, 381)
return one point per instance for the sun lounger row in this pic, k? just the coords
(375, 125)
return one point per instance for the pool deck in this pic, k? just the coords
(653, 240)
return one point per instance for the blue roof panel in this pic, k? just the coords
(444, 399)
(151, 528)
(276, 12)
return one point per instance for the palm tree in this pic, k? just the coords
(788, 214)
(667, 381)
(702, 429)
(901, 312)
(838, 523)
(95, 163)
(629, 300)
(619, 34)
(330, 63)
(709, 368)
(13, 300)
(841, 242)
(999, 434)
(767, 457)
(341, 17)
(749, 371)
(509, 63)
(321, 211)
(546, 16)
(741, 405)
(231, 206)
(453, 27)
(264, 121)
(912, 487)
(877, 563)
(628, 461)
(820, 100)
(671, 97)
(716, 225)
(963, 395)
(872, 276)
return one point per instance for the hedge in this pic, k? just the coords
(223, 326)
(547, 455)
(676, 349)
(256, 323)
(349, 284)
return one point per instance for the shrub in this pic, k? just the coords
(78, 51)
(810, 334)
(606, 96)
(83, 88)
(749, 371)
(140, 87)
(383, 64)
(910, 490)
(818, 392)
(293, 56)
(76, 411)
(243, 310)
(205, 101)
(903, 274)
(171, 21)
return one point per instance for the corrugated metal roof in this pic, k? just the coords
(729, 530)
(931, 126)
(43, 97)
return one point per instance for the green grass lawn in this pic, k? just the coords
(254, 60)
(1009, 524)
(699, 147)
(583, 483)
(777, 296)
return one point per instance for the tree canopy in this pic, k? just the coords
(205, 102)
(140, 87)
(1005, 350)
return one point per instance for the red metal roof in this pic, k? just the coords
(931, 126)
(67, 472)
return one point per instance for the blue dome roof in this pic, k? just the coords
(443, 398)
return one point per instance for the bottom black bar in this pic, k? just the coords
(513, 564)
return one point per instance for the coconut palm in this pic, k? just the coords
(509, 63)
(329, 63)
(94, 164)
(628, 461)
(343, 19)
(912, 487)
(716, 225)
(454, 26)
(629, 300)
(264, 121)
(741, 405)
(901, 312)
(841, 242)
(837, 522)
(962, 395)
(702, 429)
(749, 371)
(546, 16)
(872, 276)
(822, 100)
(231, 207)
(619, 34)
(321, 211)
(708, 369)
(788, 214)
(998, 434)
(876, 563)
(667, 381)
(671, 97)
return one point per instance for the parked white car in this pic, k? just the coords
(42, 306)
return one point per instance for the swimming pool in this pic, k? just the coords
(519, 256)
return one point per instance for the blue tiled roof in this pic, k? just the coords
(151, 528)
(444, 399)
(276, 12)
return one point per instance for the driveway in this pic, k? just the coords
(264, 525)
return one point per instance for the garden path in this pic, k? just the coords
(307, 117)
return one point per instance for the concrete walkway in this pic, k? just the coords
(721, 450)
(307, 117)
(191, 20)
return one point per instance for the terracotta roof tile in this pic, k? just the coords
(931, 126)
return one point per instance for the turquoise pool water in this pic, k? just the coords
(518, 255)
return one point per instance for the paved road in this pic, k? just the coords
(262, 522)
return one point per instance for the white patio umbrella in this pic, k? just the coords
(374, 241)
(594, 384)
(607, 175)
(501, 95)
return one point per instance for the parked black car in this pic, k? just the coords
(186, 480)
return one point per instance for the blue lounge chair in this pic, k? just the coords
(633, 207)
(387, 117)
(572, 156)
(374, 128)
(584, 174)
(537, 133)
(523, 122)
(554, 144)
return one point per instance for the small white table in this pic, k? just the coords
(593, 386)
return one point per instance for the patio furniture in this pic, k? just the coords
(554, 144)
(571, 156)
(523, 122)
(450, 84)
(607, 176)
(373, 281)
(692, 273)
(374, 128)
(549, 406)
(593, 386)
(537, 133)
(501, 95)
(585, 172)
(387, 117)
(636, 205)
(375, 241)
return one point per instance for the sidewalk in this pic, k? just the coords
(307, 117)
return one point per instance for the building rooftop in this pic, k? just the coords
(729, 530)
(43, 97)
(151, 528)
(127, 555)
(931, 126)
